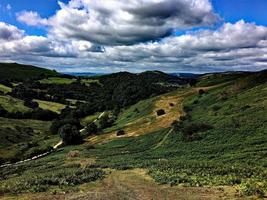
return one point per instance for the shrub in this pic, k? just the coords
(161, 112)
(120, 132)
(250, 188)
(201, 91)
(73, 154)
(106, 121)
(91, 128)
(31, 104)
(70, 135)
(3, 111)
(216, 108)
(171, 104)
(57, 124)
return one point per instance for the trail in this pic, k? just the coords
(55, 148)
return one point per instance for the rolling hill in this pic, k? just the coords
(21, 72)
(210, 141)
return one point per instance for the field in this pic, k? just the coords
(48, 105)
(5, 89)
(12, 104)
(57, 80)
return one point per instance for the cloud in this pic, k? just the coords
(231, 47)
(9, 32)
(31, 18)
(115, 22)
(8, 7)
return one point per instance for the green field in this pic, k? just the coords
(12, 104)
(5, 89)
(89, 81)
(48, 105)
(57, 80)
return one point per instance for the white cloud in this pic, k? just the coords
(111, 35)
(115, 22)
(9, 32)
(8, 7)
(31, 18)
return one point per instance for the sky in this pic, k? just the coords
(105, 36)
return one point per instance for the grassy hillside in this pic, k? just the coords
(57, 80)
(12, 104)
(21, 72)
(5, 89)
(48, 105)
(213, 134)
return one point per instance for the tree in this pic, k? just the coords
(120, 133)
(70, 134)
(3, 112)
(91, 128)
(160, 112)
(106, 121)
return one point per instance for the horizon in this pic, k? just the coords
(173, 36)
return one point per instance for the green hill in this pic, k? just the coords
(211, 141)
(22, 72)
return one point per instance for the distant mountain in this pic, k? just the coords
(84, 74)
(185, 75)
(22, 72)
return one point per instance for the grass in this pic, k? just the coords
(89, 118)
(231, 153)
(57, 80)
(5, 89)
(48, 105)
(87, 82)
(20, 139)
(12, 104)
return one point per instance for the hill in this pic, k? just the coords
(22, 72)
(209, 141)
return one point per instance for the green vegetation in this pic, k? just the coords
(88, 82)
(12, 104)
(23, 72)
(212, 134)
(57, 80)
(45, 176)
(5, 89)
(20, 139)
(48, 105)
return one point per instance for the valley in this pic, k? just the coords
(143, 136)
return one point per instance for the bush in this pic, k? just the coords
(31, 104)
(250, 188)
(120, 132)
(73, 154)
(91, 128)
(161, 112)
(57, 124)
(171, 104)
(70, 134)
(201, 91)
(106, 121)
(3, 111)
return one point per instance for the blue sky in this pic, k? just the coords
(220, 35)
(229, 10)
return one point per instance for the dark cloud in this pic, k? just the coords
(9, 32)
(118, 23)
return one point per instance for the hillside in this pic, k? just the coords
(209, 143)
(21, 72)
